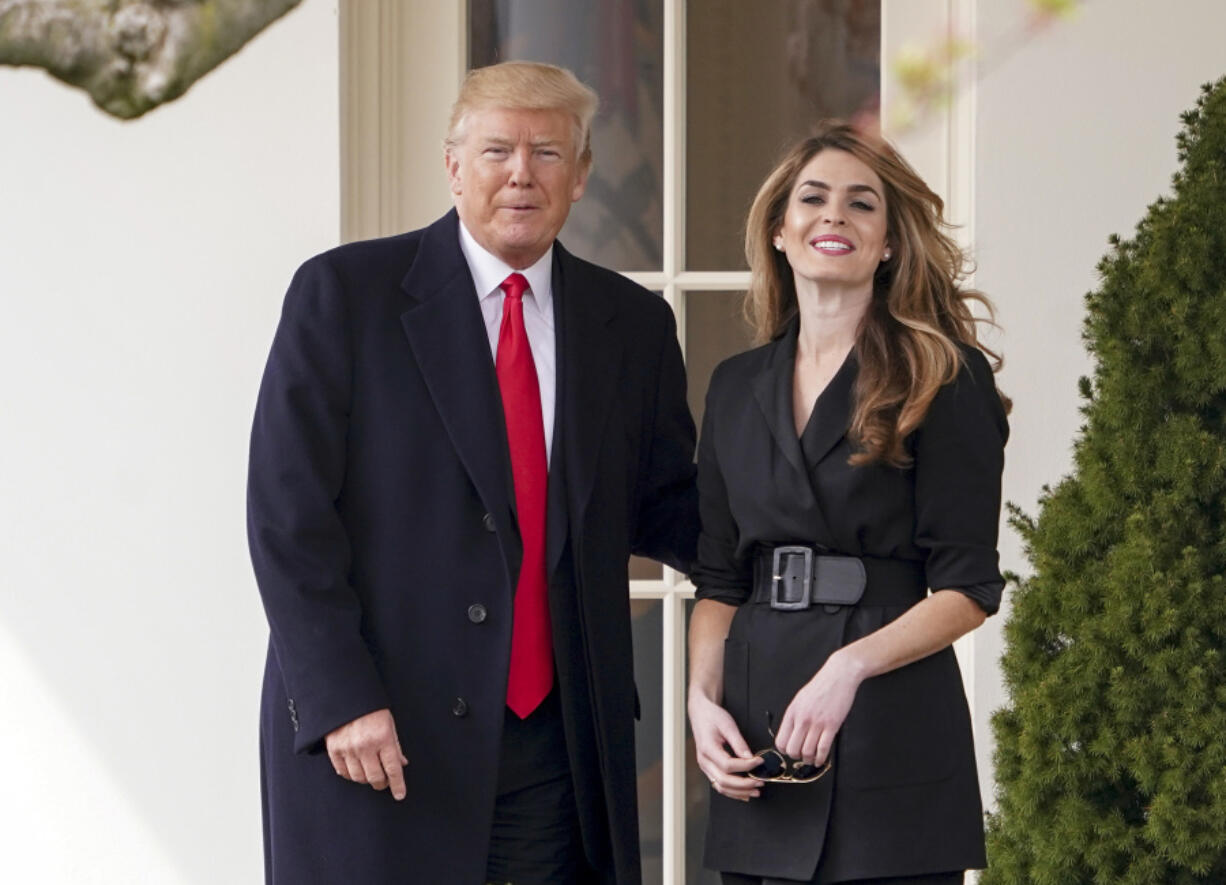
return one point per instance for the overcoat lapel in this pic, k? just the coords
(556, 526)
(588, 366)
(449, 341)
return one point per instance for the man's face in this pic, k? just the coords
(514, 175)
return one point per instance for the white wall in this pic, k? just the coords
(1075, 137)
(141, 270)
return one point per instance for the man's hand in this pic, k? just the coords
(367, 751)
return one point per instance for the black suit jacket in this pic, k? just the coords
(381, 524)
(903, 796)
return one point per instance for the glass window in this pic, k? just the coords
(617, 48)
(715, 329)
(647, 627)
(759, 75)
(643, 569)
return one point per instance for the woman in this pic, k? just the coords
(846, 467)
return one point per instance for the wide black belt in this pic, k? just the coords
(793, 577)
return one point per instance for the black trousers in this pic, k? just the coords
(535, 839)
(930, 879)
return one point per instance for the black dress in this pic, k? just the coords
(903, 795)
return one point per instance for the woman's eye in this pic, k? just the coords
(860, 204)
(813, 199)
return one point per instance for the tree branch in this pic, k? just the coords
(130, 55)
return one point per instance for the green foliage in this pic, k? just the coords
(1111, 758)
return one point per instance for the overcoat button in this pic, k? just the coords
(476, 613)
(488, 522)
(459, 708)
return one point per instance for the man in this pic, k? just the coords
(461, 434)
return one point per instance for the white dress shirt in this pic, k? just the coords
(488, 272)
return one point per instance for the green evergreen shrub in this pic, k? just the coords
(1111, 756)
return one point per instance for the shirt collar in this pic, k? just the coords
(488, 272)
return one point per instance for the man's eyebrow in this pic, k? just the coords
(853, 188)
(508, 141)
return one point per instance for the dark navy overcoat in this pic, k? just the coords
(382, 530)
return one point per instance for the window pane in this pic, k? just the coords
(697, 800)
(714, 331)
(647, 626)
(617, 48)
(759, 75)
(643, 569)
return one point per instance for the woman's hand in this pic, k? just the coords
(816, 713)
(715, 733)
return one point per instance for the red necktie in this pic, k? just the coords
(531, 674)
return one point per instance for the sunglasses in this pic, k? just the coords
(776, 768)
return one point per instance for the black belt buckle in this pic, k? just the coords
(791, 578)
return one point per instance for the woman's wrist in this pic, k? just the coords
(701, 694)
(851, 663)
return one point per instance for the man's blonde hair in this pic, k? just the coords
(530, 86)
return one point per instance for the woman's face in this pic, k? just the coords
(834, 228)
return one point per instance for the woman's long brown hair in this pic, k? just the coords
(907, 343)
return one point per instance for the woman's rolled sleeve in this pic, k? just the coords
(720, 573)
(959, 456)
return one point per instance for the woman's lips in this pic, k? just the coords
(832, 245)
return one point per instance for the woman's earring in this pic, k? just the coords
(778, 244)
(886, 255)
